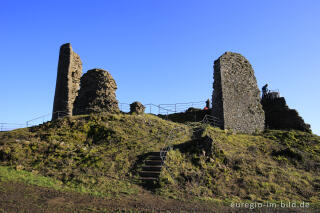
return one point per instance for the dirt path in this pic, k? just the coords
(18, 197)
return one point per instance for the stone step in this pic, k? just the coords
(148, 178)
(153, 157)
(151, 168)
(157, 153)
(153, 162)
(154, 153)
(153, 174)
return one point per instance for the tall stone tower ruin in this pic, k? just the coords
(68, 81)
(236, 96)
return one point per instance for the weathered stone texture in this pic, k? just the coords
(280, 116)
(97, 93)
(137, 107)
(236, 96)
(68, 80)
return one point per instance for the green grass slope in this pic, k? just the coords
(95, 152)
(100, 154)
(273, 166)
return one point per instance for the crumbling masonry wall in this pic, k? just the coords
(280, 116)
(68, 81)
(236, 96)
(97, 93)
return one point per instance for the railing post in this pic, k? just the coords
(175, 108)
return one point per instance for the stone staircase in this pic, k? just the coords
(151, 168)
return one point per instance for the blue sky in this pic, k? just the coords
(158, 51)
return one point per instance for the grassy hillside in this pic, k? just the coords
(274, 166)
(102, 154)
(94, 152)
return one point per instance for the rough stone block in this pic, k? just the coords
(137, 107)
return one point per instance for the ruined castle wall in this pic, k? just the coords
(280, 116)
(217, 103)
(236, 97)
(97, 93)
(68, 81)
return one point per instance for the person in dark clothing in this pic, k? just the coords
(265, 90)
(208, 103)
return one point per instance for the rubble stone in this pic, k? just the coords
(137, 107)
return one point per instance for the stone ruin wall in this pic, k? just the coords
(280, 116)
(236, 97)
(217, 104)
(97, 93)
(68, 81)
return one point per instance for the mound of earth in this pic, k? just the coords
(101, 155)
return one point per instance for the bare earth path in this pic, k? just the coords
(19, 197)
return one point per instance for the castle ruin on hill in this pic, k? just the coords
(96, 94)
(236, 96)
(236, 101)
(279, 115)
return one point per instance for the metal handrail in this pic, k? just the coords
(43, 116)
(168, 143)
(274, 90)
(207, 119)
(174, 108)
(9, 126)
